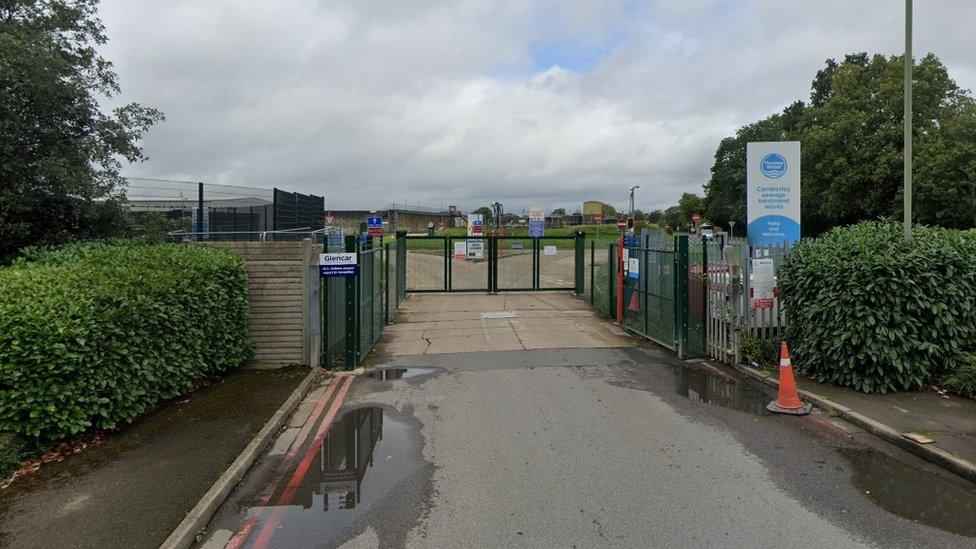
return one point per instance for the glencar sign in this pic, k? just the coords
(773, 192)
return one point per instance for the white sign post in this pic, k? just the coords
(773, 192)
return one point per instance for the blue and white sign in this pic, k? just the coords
(537, 223)
(773, 192)
(338, 264)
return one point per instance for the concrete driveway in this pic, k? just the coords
(476, 432)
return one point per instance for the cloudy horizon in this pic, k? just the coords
(464, 103)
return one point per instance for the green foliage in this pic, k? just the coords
(870, 311)
(92, 335)
(963, 380)
(12, 452)
(763, 352)
(59, 152)
(852, 147)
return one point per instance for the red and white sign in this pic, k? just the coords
(598, 218)
(696, 218)
(329, 219)
(622, 224)
(763, 283)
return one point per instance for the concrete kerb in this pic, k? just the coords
(947, 460)
(185, 533)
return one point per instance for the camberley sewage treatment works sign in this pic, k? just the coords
(773, 192)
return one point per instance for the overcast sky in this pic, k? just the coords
(465, 102)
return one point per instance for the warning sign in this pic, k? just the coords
(763, 283)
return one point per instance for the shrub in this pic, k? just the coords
(92, 335)
(870, 311)
(963, 380)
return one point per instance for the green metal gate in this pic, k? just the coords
(664, 291)
(355, 309)
(491, 263)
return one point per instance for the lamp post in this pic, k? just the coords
(731, 227)
(908, 120)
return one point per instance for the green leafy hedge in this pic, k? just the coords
(92, 335)
(868, 310)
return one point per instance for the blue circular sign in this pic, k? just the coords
(773, 165)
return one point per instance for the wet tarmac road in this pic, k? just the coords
(586, 447)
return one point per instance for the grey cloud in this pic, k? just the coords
(439, 102)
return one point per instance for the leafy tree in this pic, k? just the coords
(654, 216)
(559, 212)
(486, 212)
(60, 154)
(688, 205)
(851, 135)
(609, 211)
(672, 218)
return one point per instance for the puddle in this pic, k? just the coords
(704, 386)
(912, 493)
(400, 373)
(364, 457)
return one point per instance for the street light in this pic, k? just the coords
(908, 120)
(731, 232)
(632, 206)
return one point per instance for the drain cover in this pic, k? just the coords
(499, 314)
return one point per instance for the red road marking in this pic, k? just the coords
(247, 526)
(268, 530)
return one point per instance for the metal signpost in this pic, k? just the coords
(773, 193)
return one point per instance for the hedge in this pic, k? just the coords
(92, 335)
(870, 311)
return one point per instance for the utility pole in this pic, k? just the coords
(731, 226)
(632, 206)
(909, 62)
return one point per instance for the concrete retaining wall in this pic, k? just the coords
(283, 290)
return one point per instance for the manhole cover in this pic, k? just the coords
(500, 314)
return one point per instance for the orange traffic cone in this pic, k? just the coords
(634, 306)
(788, 401)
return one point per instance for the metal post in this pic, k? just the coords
(352, 311)
(447, 259)
(909, 62)
(681, 295)
(620, 279)
(579, 257)
(274, 209)
(592, 272)
(386, 283)
(200, 208)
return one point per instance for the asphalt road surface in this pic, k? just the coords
(582, 447)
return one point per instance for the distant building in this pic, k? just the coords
(592, 208)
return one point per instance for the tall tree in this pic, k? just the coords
(851, 144)
(60, 154)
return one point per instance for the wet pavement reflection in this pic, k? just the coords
(400, 373)
(360, 461)
(703, 385)
(914, 493)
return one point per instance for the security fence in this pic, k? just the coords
(693, 296)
